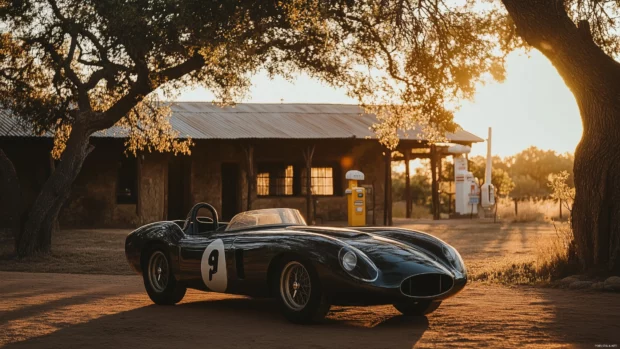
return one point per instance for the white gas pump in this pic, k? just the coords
(488, 190)
(467, 192)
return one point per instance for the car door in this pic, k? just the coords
(206, 261)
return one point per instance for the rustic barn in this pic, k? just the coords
(245, 157)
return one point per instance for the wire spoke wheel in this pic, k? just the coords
(295, 286)
(158, 271)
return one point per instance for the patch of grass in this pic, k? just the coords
(73, 251)
(554, 258)
(417, 212)
(529, 211)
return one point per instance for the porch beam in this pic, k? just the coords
(308, 155)
(408, 202)
(387, 211)
(434, 182)
(250, 174)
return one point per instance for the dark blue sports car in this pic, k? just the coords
(274, 253)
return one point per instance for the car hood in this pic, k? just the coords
(392, 257)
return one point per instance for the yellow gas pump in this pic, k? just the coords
(356, 197)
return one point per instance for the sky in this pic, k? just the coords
(532, 106)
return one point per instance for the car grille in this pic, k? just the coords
(426, 285)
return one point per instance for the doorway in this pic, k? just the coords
(230, 191)
(179, 170)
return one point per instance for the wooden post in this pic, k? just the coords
(516, 207)
(387, 195)
(250, 175)
(139, 213)
(434, 183)
(308, 154)
(560, 208)
(408, 202)
(166, 189)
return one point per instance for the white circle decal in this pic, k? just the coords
(213, 267)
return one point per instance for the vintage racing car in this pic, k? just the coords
(274, 253)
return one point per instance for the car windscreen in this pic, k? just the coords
(266, 217)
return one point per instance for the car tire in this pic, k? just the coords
(299, 292)
(159, 280)
(417, 308)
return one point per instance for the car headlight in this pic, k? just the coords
(357, 264)
(349, 261)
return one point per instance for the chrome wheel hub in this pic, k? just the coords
(158, 271)
(295, 286)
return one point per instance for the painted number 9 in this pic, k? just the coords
(213, 261)
(213, 267)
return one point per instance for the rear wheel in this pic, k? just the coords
(417, 308)
(159, 281)
(300, 294)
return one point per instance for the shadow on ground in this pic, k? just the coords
(228, 323)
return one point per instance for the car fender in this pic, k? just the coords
(164, 234)
(264, 253)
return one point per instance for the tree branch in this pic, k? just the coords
(140, 89)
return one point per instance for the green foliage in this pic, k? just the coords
(500, 178)
(420, 187)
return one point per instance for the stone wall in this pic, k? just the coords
(152, 187)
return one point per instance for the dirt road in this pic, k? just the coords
(99, 311)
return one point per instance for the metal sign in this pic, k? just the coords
(474, 199)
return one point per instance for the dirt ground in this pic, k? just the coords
(101, 311)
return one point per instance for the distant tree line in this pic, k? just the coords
(525, 175)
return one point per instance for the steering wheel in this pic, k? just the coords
(194, 221)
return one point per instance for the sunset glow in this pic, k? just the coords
(532, 107)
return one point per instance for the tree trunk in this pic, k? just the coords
(36, 233)
(593, 78)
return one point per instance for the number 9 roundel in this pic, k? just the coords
(213, 267)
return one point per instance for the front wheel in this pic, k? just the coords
(300, 294)
(159, 281)
(417, 308)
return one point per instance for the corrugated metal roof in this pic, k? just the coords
(10, 127)
(203, 120)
